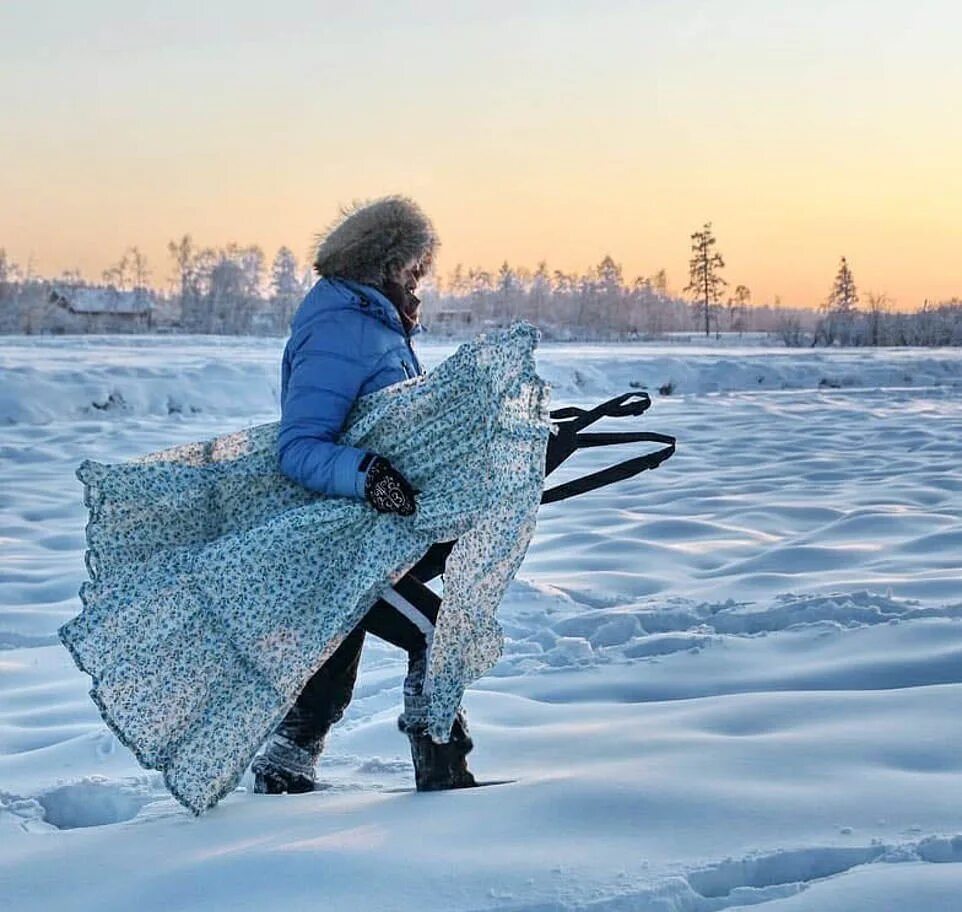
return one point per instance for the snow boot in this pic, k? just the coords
(287, 764)
(440, 766)
(284, 767)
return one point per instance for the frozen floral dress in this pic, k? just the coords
(218, 586)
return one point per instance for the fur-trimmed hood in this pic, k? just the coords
(371, 238)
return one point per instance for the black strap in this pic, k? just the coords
(622, 406)
(620, 472)
(570, 421)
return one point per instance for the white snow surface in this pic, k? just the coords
(730, 683)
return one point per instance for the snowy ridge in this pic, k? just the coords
(730, 683)
(60, 378)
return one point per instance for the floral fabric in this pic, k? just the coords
(218, 586)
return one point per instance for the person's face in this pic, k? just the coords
(410, 274)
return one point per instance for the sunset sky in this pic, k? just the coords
(528, 130)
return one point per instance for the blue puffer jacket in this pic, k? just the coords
(346, 340)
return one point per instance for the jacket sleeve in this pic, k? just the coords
(327, 372)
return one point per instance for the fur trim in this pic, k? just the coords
(371, 238)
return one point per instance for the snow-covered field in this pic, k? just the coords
(732, 682)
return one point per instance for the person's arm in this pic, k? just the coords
(327, 372)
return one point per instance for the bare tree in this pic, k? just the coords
(182, 253)
(138, 266)
(458, 283)
(659, 282)
(738, 308)
(878, 306)
(788, 326)
(119, 274)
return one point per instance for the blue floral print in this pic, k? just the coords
(218, 586)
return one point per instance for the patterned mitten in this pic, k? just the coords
(385, 488)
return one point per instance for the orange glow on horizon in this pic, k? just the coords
(535, 134)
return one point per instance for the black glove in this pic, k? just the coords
(385, 488)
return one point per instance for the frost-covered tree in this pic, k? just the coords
(540, 292)
(285, 281)
(705, 283)
(182, 253)
(285, 285)
(481, 284)
(252, 263)
(738, 308)
(878, 306)
(564, 282)
(458, 284)
(507, 281)
(788, 325)
(659, 282)
(613, 306)
(227, 294)
(507, 287)
(610, 276)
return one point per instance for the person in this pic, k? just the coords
(352, 335)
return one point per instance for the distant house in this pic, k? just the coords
(106, 309)
(449, 321)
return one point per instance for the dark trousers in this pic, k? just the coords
(404, 616)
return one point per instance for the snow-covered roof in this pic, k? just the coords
(105, 300)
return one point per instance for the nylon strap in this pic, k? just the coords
(571, 420)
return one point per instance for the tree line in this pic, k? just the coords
(840, 320)
(233, 290)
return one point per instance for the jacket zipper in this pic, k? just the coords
(414, 358)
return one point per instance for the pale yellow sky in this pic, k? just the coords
(527, 130)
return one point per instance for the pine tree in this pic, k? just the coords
(840, 308)
(706, 284)
(844, 295)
